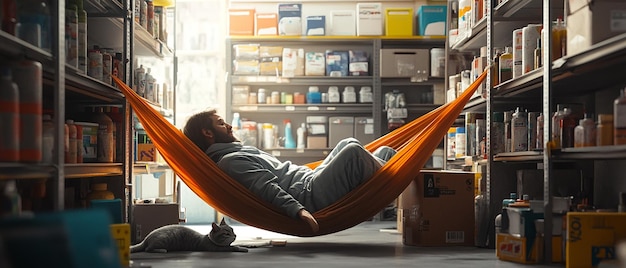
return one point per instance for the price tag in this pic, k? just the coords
(290, 108)
(313, 108)
(331, 108)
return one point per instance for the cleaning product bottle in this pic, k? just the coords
(9, 117)
(301, 136)
(290, 143)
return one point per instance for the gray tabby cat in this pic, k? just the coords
(180, 238)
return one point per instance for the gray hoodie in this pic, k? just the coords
(280, 183)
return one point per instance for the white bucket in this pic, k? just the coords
(437, 62)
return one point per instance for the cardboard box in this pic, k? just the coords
(526, 250)
(146, 152)
(241, 21)
(369, 19)
(147, 217)
(595, 21)
(399, 21)
(404, 63)
(121, 235)
(339, 128)
(359, 63)
(316, 25)
(293, 62)
(431, 20)
(342, 23)
(591, 237)
(315, 64)
(337, 63)
(266, 24)
(290, 19)
(438, 209)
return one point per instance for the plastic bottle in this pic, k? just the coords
(71, 35)
(290, 142)
(82, 36)
(365, 94)
(604, 130)
(28, 77)
(47, 139)
(94, 65)
(314, 95)
(34, 23)
(619, 119)
(555, 132)
(540, 121)
(301, 136)
(333, 94)
(150, 86)
(107, 67)
(497, 129)
(10, 199)
(70, 153)
(9, 117)
(568, 123)
(585, 133)
(140, 81)
(150, 17)
(349, 95)
(537, 62)
(532, 130)
(261, 97)
(451, 148)
(106, 143)
(268, 136)
(559, 39)
(519, 131)
(143, 10)
(507, 131)
(460, 141)
(505, 71)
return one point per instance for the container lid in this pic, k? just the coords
(498, 116)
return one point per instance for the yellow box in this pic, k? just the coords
(121, 234)
(525, 250)
(146, 152)
(399, 22)
(591, 237)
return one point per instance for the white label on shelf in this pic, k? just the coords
(333, 108)
(618, 20)
(313, 108)
(249, 108)
(299, 150)
(290, 108)
(276, 153)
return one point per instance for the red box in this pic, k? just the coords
(438, 209)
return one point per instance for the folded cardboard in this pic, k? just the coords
(438, 209)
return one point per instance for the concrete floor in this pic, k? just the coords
(366, 245)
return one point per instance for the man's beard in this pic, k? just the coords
(224, 138)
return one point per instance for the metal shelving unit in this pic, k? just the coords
(590, 77)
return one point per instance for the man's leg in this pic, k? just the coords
(344, 172)
(340, 146)
(384, 153)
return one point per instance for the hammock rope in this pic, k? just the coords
(415, 142)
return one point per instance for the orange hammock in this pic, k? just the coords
(415, 142)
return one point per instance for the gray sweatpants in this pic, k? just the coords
(346, 167)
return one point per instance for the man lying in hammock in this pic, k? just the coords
(296, 190)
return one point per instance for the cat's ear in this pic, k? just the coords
(222, 222)
(215, 226)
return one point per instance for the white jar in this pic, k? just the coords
(261, 96)
(349, 96)
(365, 95)
(333, 95)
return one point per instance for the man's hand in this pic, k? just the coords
(308, 218)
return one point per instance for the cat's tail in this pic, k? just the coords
(137, 247)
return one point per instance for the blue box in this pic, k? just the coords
(431, 20)
(337, 63)
(316, 25)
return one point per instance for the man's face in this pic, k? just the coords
(222, 132)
